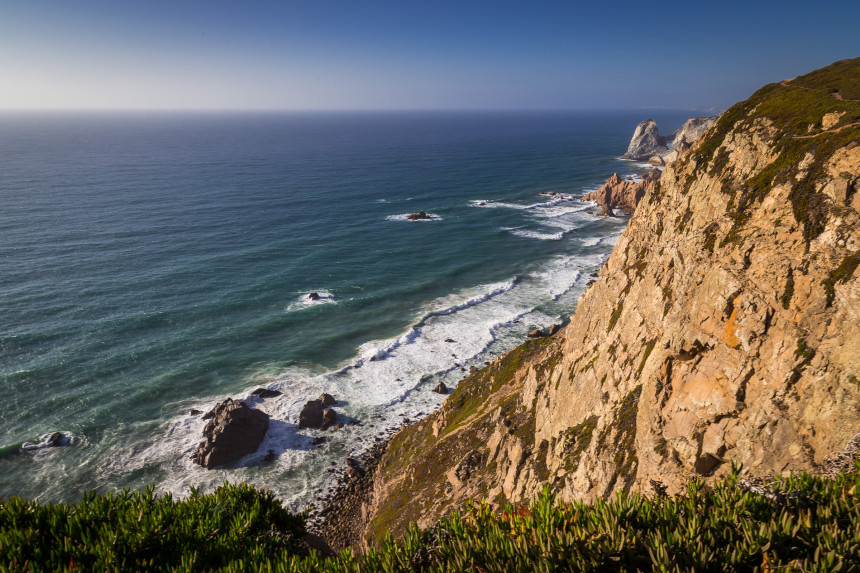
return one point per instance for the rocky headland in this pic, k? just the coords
(724, 329)
(648, 145)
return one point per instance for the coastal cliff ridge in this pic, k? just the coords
(724, 329)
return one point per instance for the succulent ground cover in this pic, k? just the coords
(795, 523)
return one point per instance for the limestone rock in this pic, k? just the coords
(234, 431)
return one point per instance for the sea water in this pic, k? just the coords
(155, 263)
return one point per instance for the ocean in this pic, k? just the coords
(154, 263)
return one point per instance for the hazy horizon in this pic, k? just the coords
(385, 55)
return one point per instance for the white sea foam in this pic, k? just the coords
(538, 235)
(387, 380)
(304, 300)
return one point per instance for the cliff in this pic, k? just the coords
(725, 327)
(648, 145)
(622, 194)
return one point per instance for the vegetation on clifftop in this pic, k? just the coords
(797, 523)
(795, 109)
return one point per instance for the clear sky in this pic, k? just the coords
(410, 54)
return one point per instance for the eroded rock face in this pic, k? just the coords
(648, 145)
(622, 194)
(646, 141)
(234, 431)
(725, 326)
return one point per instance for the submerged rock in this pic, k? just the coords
(314, 296)
(234, 431)
(265, 393)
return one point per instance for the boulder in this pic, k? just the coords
(327, 400)
(193, 412)
(536, 333)
(329, 418)
(554, 328)
(265, 393)
(314, 296)
(417, 216)
(234, 431)
(56, 440)
(311, 415)
(441, 388)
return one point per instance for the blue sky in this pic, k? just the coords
(327, 54)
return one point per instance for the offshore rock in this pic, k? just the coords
(646, 141)
(417, 216)
(648, 145)
(234, 431)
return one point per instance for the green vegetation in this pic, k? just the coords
(789, 290)
(841, 274)
(576, 441)
(795, 110)
(649, 346)
(142, 532)
(798, 523)
(620, 436)
(616, 314)
(803, 351)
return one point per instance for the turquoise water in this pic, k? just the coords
(154, 263)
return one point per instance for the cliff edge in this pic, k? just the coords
(725, 327)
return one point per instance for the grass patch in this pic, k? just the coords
(840, 274)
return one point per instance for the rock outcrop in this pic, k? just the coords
(622, 194)
(648, 145)
(724, 328)
(646, 141)
(317, 414)
(234, 431)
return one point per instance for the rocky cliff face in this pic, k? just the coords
(648, 145)
(725, 327)
(622, 194)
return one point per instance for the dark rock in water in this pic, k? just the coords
(269, 456)
(319, 440)
(234, 431)
(311, 415)
(554, 328)
(473, 369)
(536, 333)
(450, 340)
(194, 412)
(265, 393)
(314, 296)
(329, 419)
(327, 400)
(589, 211)
(589, 283)
(594, 275)
(417, 216)
(338, 426)
(354, 467)
(56, 440)
(441, 388)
